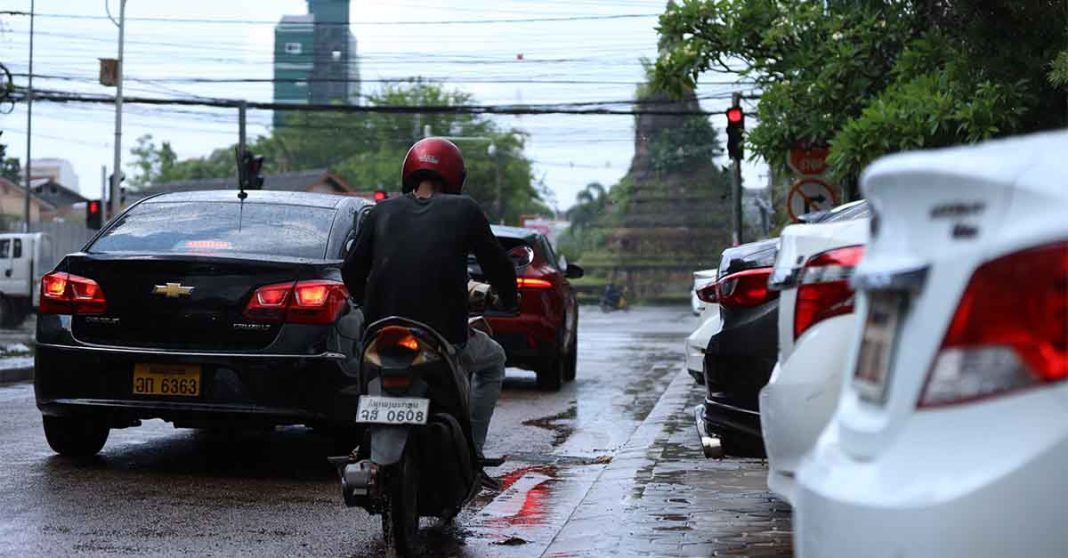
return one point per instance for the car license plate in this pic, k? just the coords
(392, 410)
(182, 380)
(877, 345)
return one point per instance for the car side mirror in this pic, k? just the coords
(521, 257)
(574, 272)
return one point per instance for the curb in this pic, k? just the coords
(14, 375)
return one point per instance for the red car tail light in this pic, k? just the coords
(824, 290)
(746, 288)
(63, 293)
(708, 293)
(303, 302)
(1010, 330)
(532, 283)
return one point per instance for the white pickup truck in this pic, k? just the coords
(24, 258)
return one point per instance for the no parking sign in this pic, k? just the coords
(808, 195)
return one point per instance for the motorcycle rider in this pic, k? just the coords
(410, 260)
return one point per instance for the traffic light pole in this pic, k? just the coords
(736, 188)
(241, 110)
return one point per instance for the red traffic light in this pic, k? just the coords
(94, 206)
(735, 115)
(380, 195)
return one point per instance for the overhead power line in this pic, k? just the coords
(67, 97)
(355, 23)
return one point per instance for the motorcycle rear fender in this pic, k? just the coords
(388, 443)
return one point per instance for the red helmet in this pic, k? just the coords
(438, 157)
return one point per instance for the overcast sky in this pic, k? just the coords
(600, 60)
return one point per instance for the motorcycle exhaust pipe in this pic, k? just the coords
(357, 481)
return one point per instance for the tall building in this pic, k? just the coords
(315, 57)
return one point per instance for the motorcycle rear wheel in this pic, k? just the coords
(400, 515)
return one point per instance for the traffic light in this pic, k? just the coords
(381, 195)
(94, 214)
(735, 129)
(249, 167)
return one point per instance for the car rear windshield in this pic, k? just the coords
(220, 228)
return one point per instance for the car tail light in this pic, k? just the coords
(532, 283)
(746, 288)
(302, 302)
(1010, 330)
(708, 293)
(63, 293)
(824, 290)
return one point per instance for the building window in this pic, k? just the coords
(301, 84)
(293, 48)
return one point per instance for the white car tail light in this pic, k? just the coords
(1010, 330)
(824, 290)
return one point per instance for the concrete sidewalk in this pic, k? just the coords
(660, 497)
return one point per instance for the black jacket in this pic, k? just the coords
(410, 260)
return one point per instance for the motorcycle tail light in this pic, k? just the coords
(302, 302)
(1009, 332)
(824, 290)
(745, 289)
(396, 382)
(63, 293)
(397, 346)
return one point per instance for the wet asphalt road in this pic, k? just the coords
(156, 490)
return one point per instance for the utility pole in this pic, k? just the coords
(116, 173)
(242, 108)
(29, 135)
(492, 151)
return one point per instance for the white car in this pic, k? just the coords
(816, 322)
(951, 433)
(701, 279)
(697, 342)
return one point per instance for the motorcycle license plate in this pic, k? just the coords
(392, 410)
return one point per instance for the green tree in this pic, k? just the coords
(870, 77)
(10, 168)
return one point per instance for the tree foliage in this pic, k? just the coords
(869, 77)
(367, 149)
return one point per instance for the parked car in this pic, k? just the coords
(694, 348)
(544, 336)
(701, 279)
(741, 353)
(951, 434)
(203, 310)
(816, 322)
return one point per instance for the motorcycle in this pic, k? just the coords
(418, 458)
(614, 299)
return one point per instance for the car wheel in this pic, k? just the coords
(551, 372)
(75, 436)
(742, 445)
(571, 360)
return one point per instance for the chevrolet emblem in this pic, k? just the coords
(172, 290)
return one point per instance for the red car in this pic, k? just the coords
(543, 337)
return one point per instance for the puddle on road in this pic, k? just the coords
(560, 424)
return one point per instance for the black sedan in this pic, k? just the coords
(205, 310)
(741, 355)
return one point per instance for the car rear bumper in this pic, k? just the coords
(526, 338)
(270, 389)
(801, 396)
(724, 415)
(978, 480)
